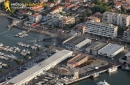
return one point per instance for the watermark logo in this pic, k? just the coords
(7, 5)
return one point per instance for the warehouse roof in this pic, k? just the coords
(75, 40)
(39, 66)
(77, 58)
(110, 48)
(97, 45)
(86, 41)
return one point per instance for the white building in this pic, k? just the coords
(76, 43)
(93, 49)
(116, 19)
(101, 29)
(43, 66)
(111, 50)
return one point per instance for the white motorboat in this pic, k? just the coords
(0, 63)
(1, 45)
(5, 65)
(102, 83)
(0, 66)
(112, 69)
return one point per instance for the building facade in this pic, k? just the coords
(116, 19)
(93, 49)
(126, 35)
(101, 29)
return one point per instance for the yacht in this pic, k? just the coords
(102, 83)
(112, 69)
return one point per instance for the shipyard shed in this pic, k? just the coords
(40, 68)
(76, 43)
(111, 50)
(77, 60)
(93, 49)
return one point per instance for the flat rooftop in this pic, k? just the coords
(75, 40)
(110, 48)
(77, 58)
(33, 70)
(97, 45)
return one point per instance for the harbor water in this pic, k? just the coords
(8, 39)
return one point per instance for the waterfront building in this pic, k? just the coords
(40, 68)
(101, 29)
(111, 50)
(76, 43)
(116, 19)
(93, 49)
(77, 60)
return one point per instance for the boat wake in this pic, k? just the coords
(4, 32)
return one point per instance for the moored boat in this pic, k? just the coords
(112, 69)
(95, 75)
(102, 83)
(126, 68)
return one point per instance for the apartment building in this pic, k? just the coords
(101, 29)
(57, 9)
(66, 20)
(126, 35)
(116, 19)
(53, 18)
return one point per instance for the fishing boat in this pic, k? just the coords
(126, 68)
(95, 75)
(102, 83)
(112, 69)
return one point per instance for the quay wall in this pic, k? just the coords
(85, 77)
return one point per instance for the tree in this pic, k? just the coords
(97, 2)
(10, 66)
(18, 61)
(1, 71)
(26, 57)
(38, 49)
(52, 26)
(32, 53)
(123, 9)
(120, 30)
(47, 45)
